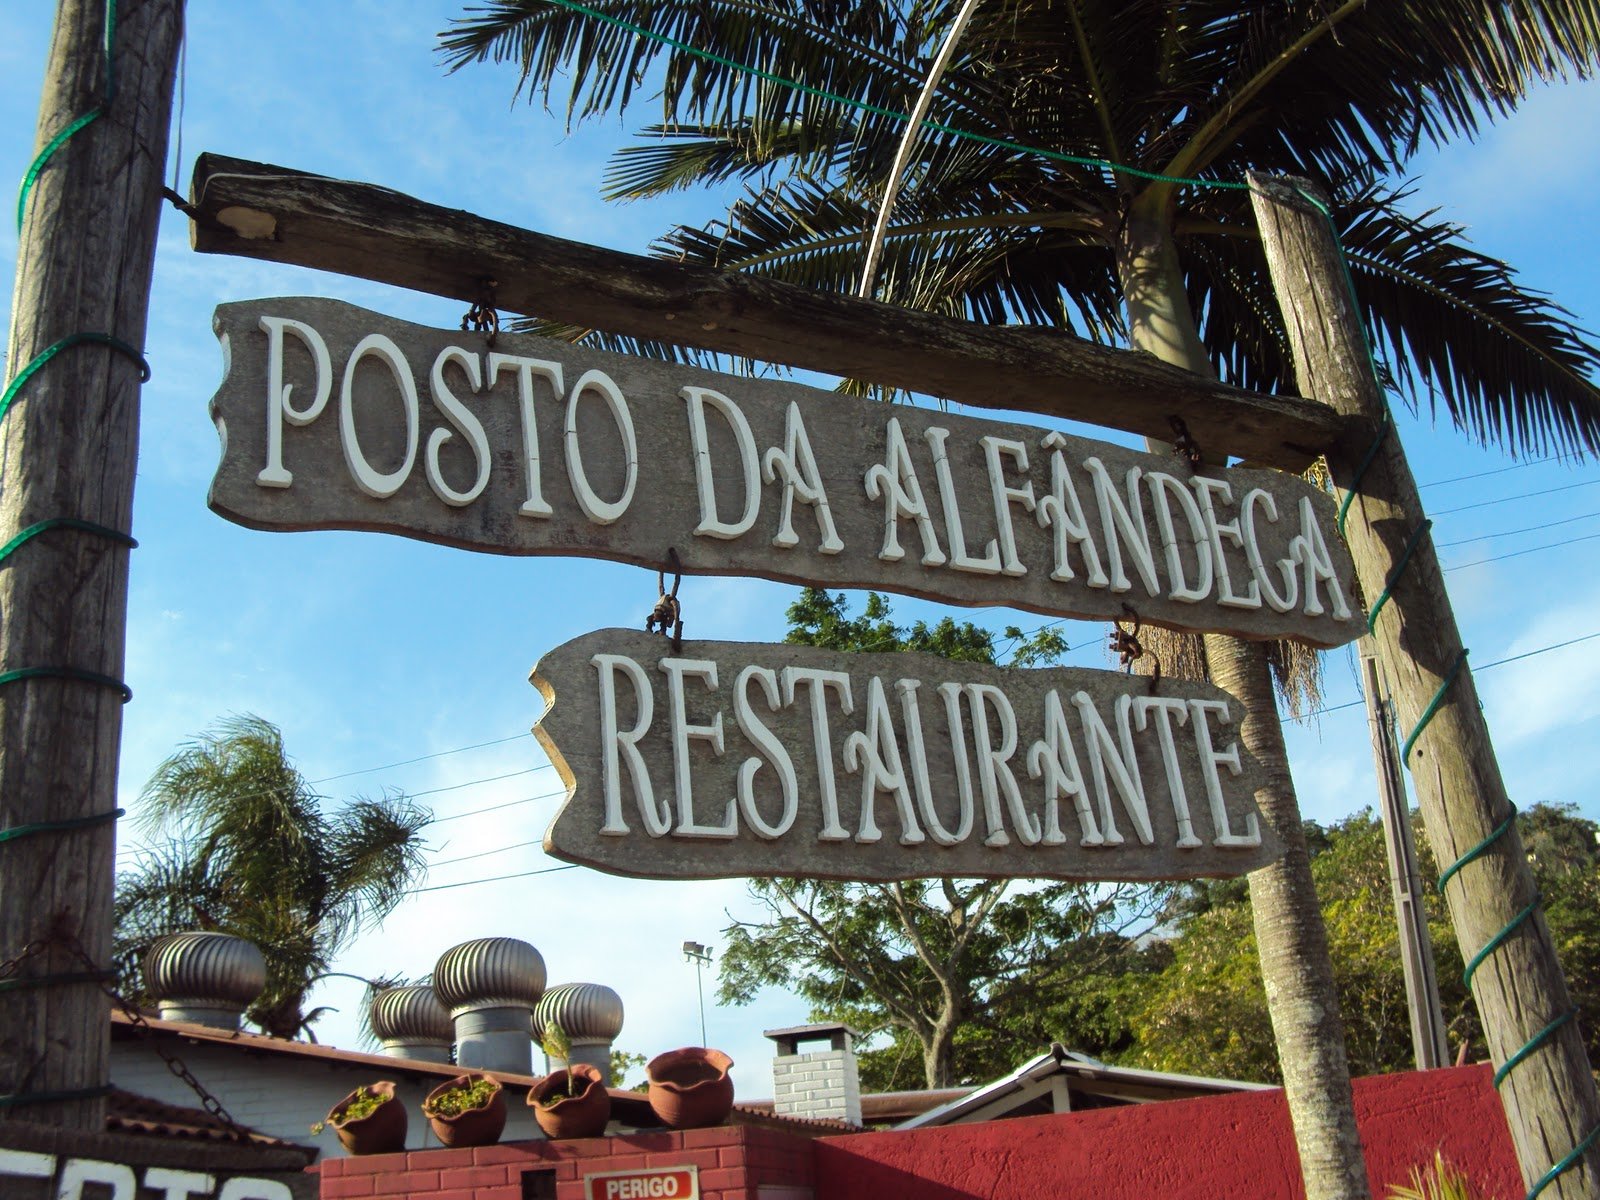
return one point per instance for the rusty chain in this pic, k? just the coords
(94, 973)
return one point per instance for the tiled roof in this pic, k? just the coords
(127, 1112)
(260, 1043)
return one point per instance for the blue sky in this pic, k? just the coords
(371, 650)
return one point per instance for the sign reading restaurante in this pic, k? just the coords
(333, 417)
(731, 759)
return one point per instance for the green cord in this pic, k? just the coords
(1433, 707)
(67, 673)
(72, 339)
(33, 531)
(33, 981)
(1550, 1176)
(1394, 572)
(1076, 160)
(60, 139)
(1480, 849)
(1361, 471)
(1538, 1039)
(22, 831)
(18, 1099)
(1499, 940)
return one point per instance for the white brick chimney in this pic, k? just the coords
(823, 1082)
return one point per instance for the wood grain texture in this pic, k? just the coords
(67, 449)
(279, 215)
(977, 547)
(1551, 1101)
(869, 751)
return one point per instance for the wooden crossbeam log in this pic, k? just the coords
(279, 215)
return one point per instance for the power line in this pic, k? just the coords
(447, 862)
(1566, 487)
(1478, 562)
(1477, 670)
(496, 807)
(440, 887)
(421, 758)
(1497, 471)
(1485, 537)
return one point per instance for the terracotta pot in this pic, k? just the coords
(582, 1115)
(690, 1088)
(382, 1131)
(479, 1126)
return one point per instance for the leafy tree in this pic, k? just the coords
(958, 973)
(1204, 1013)
(251, 850)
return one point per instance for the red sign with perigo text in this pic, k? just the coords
(656, 1183)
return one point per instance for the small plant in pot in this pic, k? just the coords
(368, 1121)
(690, 1087)
(571, 1102)
(468, 1110)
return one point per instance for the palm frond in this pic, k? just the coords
(1457, 327)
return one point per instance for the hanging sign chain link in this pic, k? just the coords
(667, 615)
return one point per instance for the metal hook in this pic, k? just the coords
(1183, 443)
(1126, 646)
(667, 615)
(483, 316)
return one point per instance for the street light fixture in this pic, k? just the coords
(700, 955)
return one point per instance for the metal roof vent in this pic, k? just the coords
(590, 1014)
(411, 1023)
(490, 986)
(206, 978)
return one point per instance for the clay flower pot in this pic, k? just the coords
(381, 1131)
(477, 1126)
(690, 1088)
(578, 1116)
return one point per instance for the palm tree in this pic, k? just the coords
(250, 851)
(1126, 222)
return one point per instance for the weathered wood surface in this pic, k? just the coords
(1550, 1098)
(280, 215)
(67, 449)
(568, 450)
(729, 759)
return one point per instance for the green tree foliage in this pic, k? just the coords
(1205, 1012)
(247, 847)
(963, 976)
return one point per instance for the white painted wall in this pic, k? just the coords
(282, 1095)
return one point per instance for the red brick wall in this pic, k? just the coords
(1221, 1146)
(734, 1160)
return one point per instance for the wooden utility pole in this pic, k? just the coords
(1405, 881)
(68, 445)
(1548, 1090)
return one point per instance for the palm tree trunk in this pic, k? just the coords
(1292, 942)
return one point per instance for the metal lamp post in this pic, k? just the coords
(701, 955)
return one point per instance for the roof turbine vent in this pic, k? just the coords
(206, 978)
(411, 1023)
(490, 986)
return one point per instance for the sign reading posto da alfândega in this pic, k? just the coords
(732, 759)
(333, 417)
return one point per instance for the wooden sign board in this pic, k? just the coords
(333, 417)
(728, 759)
